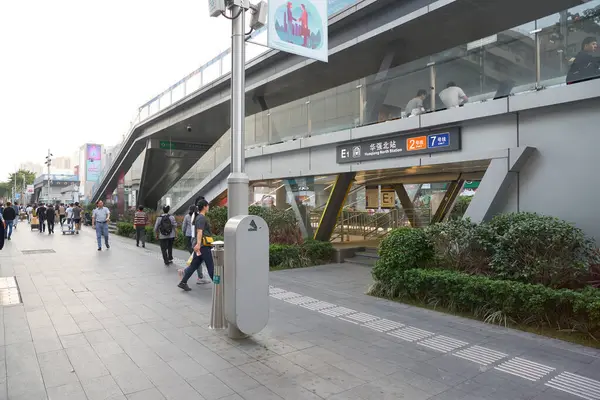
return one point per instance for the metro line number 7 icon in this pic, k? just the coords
(438, 140)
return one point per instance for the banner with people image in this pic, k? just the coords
(299, 27)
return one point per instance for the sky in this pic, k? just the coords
(75, 72)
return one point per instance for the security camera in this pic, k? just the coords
(189, 128)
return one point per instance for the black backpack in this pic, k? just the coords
(166, 226)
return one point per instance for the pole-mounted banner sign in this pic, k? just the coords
(299, 27)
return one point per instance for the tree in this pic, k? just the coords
(20, 174)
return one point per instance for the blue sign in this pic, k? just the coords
(438, 140)
(17, 196)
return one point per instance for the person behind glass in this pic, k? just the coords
(202, 241)
(166, 231)
(585, 66)
(415, 105)
(50, 218)
(100, 220)
(453, 96)
(140, 220)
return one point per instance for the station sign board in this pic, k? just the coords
(399, 145)
(169, 145)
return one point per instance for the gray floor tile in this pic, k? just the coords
(72, 391)
(149, 394)
(236, 379)
(260, 393)
(210, 387)
(56, 369)
(177, 392)
(187, 368)
(86, 363)
(102, 388)
(75, 340)
(132, 381)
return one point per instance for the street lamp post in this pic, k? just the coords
(49, 163)
(237, 181)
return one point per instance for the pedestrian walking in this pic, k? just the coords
(140, 220)
(50, 218)
(187, 232)
(41, 214)
(77, 217)
(203, 241)
(166, 231)
(17, 215)
(100, 220)
(29, 211)
(2, 229)
(62, 213)
(9, 216)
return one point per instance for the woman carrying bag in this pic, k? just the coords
(187, 231)
(202, 241)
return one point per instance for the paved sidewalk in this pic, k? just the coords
(113, 325)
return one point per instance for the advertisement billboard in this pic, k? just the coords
(93, 161)
(299, 27)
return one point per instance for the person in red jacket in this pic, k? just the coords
(304, 22)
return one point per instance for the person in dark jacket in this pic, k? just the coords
(9, 216)
(41, 214)
(50, 217)
(585, 66)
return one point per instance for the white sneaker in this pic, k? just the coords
(203, 281)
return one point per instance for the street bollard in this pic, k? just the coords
(217, 315)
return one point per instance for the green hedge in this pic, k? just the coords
(311, 252)
(498, 301)
(523, 247)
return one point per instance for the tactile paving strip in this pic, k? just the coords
(576, 385)
(443, 344)
(359, 318)
(300, 300)
(383, 325)
(411, 334)
(337, 311)
(286, 295)
(319, 305)
(9, 291)
(525, 369)
(480, 355)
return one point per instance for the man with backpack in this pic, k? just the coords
(166, 231)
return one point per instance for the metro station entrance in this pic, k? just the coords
(366, 205)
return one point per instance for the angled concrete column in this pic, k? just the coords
(407, 205)
(493, 190)
(336, 201)
(448, 201)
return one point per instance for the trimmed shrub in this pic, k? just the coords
(286, 256)
(533, 248)
(217, 218)
(125, 229)
(497, 300)
(312, 252)
(402, 249)
(460, 245)
(317, 252)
